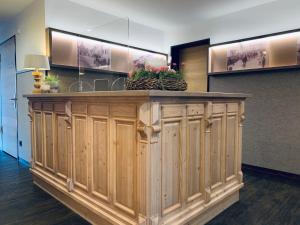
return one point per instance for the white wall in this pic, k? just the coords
(30, 39)
(69, 16)
(7, 30)
(29, 29)
(269, 18)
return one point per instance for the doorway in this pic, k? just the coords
(191, 59)
(8, 91)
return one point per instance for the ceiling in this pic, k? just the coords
(170, 14)
(11, 8)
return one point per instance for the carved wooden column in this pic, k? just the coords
(208, 119)
(30, 114)
(149, 163)
(241, 120)
(68, 119)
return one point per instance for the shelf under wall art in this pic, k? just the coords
(264, 53)
(71, 50)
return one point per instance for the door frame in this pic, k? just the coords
(1, 122)
(175, 53)
(1, 118)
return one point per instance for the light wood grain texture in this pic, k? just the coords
(195, 156)
(161, 161)
(100, 157)
(80, 152)
(125, 165)
(193, 63)
(48, 141)
(38, 139)
(61, 147)
(171, 167)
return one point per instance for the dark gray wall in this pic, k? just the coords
(272, 127)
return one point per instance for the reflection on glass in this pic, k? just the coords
(102, 53)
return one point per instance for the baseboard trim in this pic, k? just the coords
(285, 175)
(19, 160)
(24, 162)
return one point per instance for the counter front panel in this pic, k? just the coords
(139, 160)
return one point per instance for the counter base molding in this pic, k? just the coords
(139, 157)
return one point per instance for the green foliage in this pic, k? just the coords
(140, 74)
(52, 80)
(170, 74)
(158, 73)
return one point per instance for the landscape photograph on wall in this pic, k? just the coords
(140, 59)
(94, 54)
(251, 55)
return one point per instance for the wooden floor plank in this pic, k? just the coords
(22, 203)
(265, 200)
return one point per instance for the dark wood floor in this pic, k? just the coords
(265, 200)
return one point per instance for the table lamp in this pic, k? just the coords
(36, 63)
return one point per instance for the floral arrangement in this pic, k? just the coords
(155, 72)
(159, 78)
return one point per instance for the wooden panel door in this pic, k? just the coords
(171, 168)
(48, 134)
(38, 139)
(124, 133)
(100, 157)
(193, 64)
(61, 146)
(217, 141)
(195, 148)
(80, 152)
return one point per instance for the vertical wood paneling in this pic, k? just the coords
(194, 158)
(231, 145)
(193, 63)
(38, 137)
(171, 147)
(125, 162)
(80, 152)
(49, 141)
(154, 163)
(61, 146)
(217, 143)
(100, 158)
(216, 148)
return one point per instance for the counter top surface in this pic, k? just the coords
(142, 93)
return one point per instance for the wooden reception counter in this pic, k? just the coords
(139, 157)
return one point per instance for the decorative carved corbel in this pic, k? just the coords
(142, 129)
(242, 118)
(68, 109)
(209, 121)
(208, 115)
(155, 122)
(242, 112)
(30, 111)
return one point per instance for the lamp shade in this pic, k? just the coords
(36, 62)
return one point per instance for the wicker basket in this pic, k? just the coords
(169, 84)
(174, 84)
(143, 84)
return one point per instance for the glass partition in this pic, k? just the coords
(99, 57)
(103, 57)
